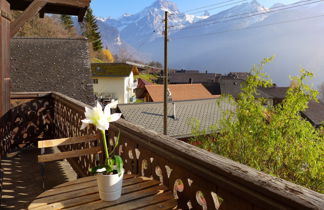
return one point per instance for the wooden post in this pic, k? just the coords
(5, 18)
(35, 7)
(165, 120)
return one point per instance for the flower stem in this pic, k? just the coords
(105, 143)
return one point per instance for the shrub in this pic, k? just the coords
(273, 139)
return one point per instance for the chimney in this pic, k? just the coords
(174, 110)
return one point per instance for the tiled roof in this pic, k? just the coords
(180, 92)
(276, 92)
(315, 113)
(111, 69)
(183, 78)
(150, 115)
(233, 87)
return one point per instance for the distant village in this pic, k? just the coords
(134, 89)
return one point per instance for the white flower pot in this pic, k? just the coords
(110, 186)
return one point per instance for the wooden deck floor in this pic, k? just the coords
(22, 179)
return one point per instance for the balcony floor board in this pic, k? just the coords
(22, 178)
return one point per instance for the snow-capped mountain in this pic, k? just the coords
(111, 37)
(237, 17)
(147, 25)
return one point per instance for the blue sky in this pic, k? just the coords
(116, 8)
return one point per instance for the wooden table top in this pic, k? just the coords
(137, 193)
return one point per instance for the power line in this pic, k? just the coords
(211, 5)
(252, 27)
(217, 7)
(248, 15)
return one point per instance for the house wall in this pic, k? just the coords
(129, 88)
(110, 85)
(118, 86)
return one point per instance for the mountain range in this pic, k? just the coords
(231, 40)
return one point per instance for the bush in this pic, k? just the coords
(273, 139)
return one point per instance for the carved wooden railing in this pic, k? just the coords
(29, 119)
(199, 179)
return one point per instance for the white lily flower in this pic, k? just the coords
(111, 117)
(101, 170)
(99, 118)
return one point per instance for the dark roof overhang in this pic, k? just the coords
(66, 7)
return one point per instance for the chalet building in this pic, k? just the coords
(47, 64)
(276, 93)
(233, 87)
(179, 92)
(114, 81)
(209, 80)
(181, 115)
(140, 90)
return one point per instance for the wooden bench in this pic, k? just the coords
(43, 158)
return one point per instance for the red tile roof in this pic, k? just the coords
(180, 92)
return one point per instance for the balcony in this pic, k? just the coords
(197, 178)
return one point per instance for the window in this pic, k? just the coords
(95, 81)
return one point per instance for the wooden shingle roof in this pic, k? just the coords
(47, 64)
(315, 113)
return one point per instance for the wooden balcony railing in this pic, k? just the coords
(198, 179)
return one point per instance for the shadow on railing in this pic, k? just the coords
(198, 179)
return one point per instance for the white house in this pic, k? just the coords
(114, 81)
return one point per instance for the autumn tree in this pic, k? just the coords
(91, 30)
(108, 56)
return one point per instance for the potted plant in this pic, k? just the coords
(110, 175)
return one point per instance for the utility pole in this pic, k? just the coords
(165, 76)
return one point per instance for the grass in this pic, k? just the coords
(147, 77)
(139, 100)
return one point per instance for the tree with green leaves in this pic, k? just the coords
(67, 21)
(273, 139)
(91, 30)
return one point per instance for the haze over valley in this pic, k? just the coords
(231, 40)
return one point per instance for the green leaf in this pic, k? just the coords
(94, 169)
(119, 164)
